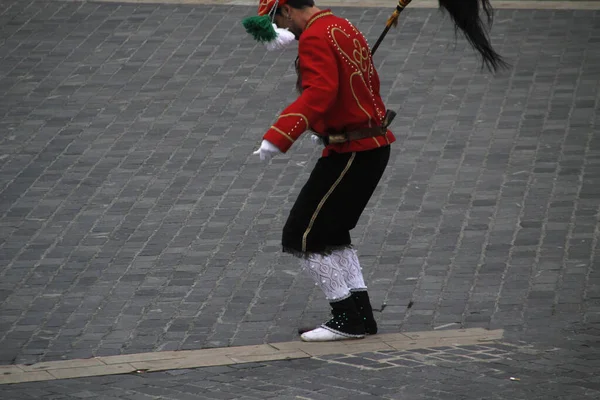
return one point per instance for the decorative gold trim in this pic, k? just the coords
(350, 59)
(356, 97)
(267, 7)
(361, 55)
(325, 14)
(264, 4)
(288, 137)
(356, 64)
(297, 115)
(324, 199)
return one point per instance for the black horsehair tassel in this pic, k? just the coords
(465, 15)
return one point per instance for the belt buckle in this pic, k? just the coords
(338, 138)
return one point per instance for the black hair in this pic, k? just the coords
(297, 4)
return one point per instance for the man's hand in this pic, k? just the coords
(266, 151)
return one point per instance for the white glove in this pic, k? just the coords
(317, 140)
(266, 151)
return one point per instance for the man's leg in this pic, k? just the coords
(308, 234)
(346, 322)
(364, 177)
(318, 230)
(347, 259)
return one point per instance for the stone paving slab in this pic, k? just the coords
(174, 360)
(134, 219)
(515, 371)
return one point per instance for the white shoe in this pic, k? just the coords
(326, 335)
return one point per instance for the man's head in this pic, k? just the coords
(294, 14)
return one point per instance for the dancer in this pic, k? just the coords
(339, 101)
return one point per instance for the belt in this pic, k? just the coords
(343, 137)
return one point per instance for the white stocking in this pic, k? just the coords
(347, 260)
(327, 275)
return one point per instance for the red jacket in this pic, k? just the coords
(340, 88)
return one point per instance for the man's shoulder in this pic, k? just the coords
(324, 30)
(322, 27)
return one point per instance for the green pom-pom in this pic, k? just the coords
(260, 28)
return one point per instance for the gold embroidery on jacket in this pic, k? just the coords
(288, 137)
(380, 113)
(325, 14)
(297, 115)
(356, 97)
(361, 61)
(361, 55)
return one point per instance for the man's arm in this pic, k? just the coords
(319, 71)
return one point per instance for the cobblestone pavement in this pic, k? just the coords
(134, 218)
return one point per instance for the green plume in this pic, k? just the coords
(260, 28)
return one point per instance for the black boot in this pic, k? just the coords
(363, 305)
(346, 323)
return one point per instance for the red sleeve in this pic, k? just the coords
(318, 68)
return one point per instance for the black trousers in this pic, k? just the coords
(332, 201)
